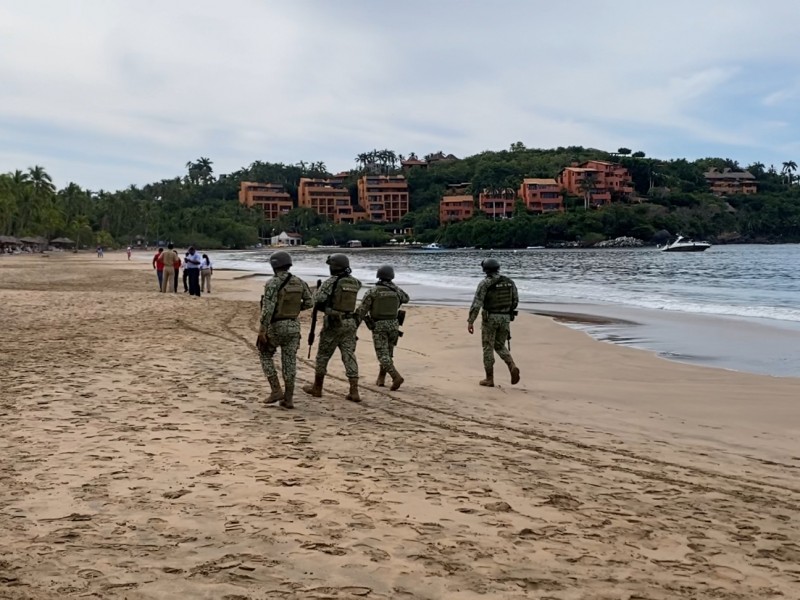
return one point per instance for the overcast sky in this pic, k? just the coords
(109, 93)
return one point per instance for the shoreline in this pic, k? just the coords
(747, 345)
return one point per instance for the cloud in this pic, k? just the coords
(113, 93)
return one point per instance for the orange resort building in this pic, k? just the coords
(596, 180)
(458, 207)
(728, 183)
(330, 198)
(541, 195)
(272, 198)
(498, 205)
(384, 197)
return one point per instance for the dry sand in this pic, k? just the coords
(137, 459)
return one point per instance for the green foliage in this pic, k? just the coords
(200, 208)
(104, 239)
(313, 242)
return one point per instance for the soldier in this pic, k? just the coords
(285, 295)
(497, 296)
(379, 310)
(337, 298)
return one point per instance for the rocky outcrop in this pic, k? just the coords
(620, 242)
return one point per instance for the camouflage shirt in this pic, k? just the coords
(480, 296)
(270, 299)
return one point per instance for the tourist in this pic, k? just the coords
(206, 271)
(191, 270)
(168, 259)
(158, 265)
(129, 252)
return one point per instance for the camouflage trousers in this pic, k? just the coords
(286, 336)
(494, 335)
(384, 337)
(343, 337)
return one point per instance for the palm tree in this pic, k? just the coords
(588, 185)
(204, 169)
(789, 167)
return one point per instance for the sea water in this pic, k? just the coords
(735, 306)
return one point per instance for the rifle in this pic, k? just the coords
(313, 333)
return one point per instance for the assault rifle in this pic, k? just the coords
(313, 333)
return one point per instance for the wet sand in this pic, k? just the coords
(139, 461)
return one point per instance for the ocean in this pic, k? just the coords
(735, 307)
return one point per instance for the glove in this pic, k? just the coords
(262, 341)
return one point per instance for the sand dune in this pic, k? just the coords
(139, 461)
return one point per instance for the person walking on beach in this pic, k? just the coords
(158, 265)
(285, 296)
(168, 259)
(497, 297)
(191, 269)
(129, 252)
(206, 271)
(336, 297)
(379, 310)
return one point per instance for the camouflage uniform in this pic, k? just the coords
(338, 331)
(283, 334)
(385, 333)
(494, 326)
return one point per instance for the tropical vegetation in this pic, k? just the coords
(201, 208)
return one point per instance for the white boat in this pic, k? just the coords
(432, 246)
(683, 244)
(535, 248)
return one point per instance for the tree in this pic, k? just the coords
(638, 154)
(789, 167)
(624, 151)
(588, 184)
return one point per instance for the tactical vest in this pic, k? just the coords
(500, 296)
(290, 299)
(385, 304)
(344, 296)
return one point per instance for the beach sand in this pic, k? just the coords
(138, 461)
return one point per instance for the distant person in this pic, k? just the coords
(185, 274)
(158, 265)
(206, 271)
(496, 299)
(169, 257)
(337, 299)
(191, 269)
(177, 266)
(379, 309)
(99, 252)
(129, 252)
(285, 296)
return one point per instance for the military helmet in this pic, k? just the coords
(338, 263)
(490, 265)
(385, 273)
(280, 260)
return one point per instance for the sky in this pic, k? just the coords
(112, 93)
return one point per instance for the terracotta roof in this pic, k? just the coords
(540, 181)
(728, 174)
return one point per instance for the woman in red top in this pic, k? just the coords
(158, 265)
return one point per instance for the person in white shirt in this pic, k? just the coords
(206, 270)
(191, 266)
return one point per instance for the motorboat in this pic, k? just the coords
(683, 244)
(432, 246)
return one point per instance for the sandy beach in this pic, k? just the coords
(138, 460)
